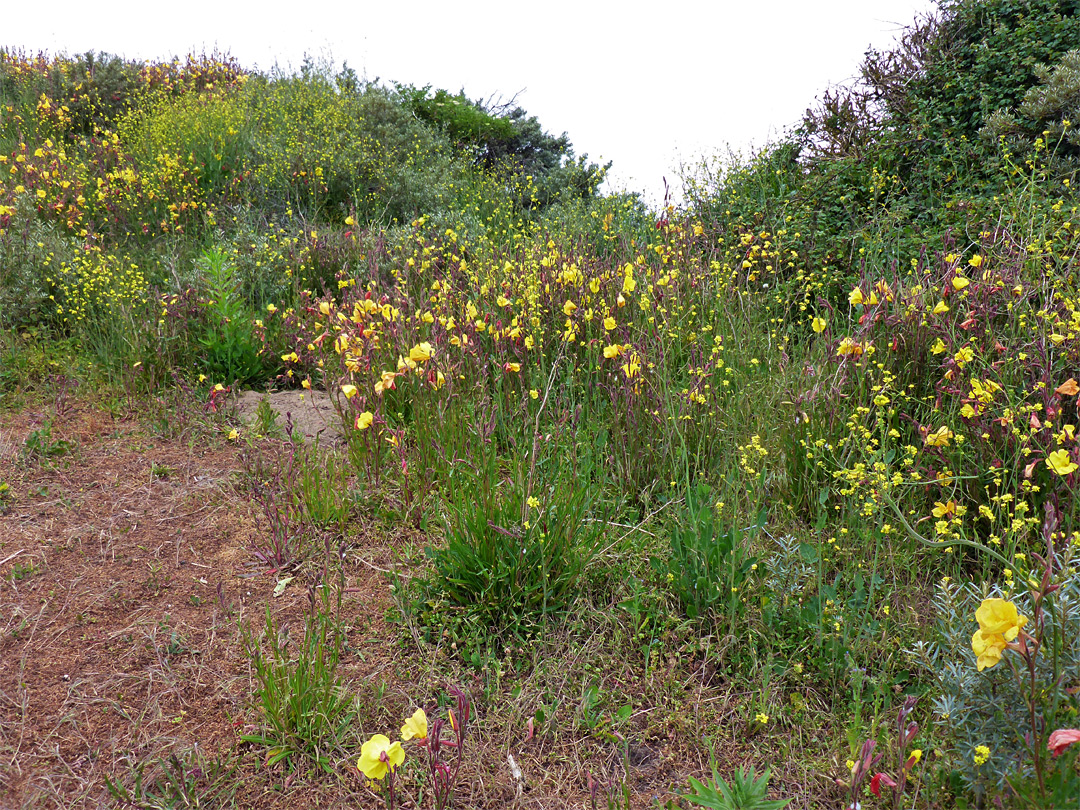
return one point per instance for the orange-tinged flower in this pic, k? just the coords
(1062, 739)
(415, 727)
(1069, 388)
(379, 756)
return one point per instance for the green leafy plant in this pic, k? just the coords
(306, 714)
(512, 561)
(708, 564)
(184, 780)
(746, 791)
(230, 353)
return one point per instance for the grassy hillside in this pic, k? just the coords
(731, 483)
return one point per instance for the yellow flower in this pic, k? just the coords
(534, 393)
(959, 283)
(988, 647)
(306, 383)
(939, 438)
(999, 623)
(233, 435)
(976, 260)
(349, 391)
(940, 308)
(378, 756)
(613, 351)
(569, 308)
(818, 324)
(364, 420)
(855, 297)
(514, 367)
(609, 323)
(1061, 462)
(421, 352)
(938, 346)
(415, 727)
(762, 718)
(632, 368)
(943, 509)
(982, 754)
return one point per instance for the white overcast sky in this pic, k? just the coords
(646, 85)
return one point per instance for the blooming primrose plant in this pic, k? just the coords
(380, 759)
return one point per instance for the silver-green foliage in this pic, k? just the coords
(991, 708)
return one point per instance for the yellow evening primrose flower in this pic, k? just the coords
(938, 347)
(514, 367)
(533, 393)
(1061, 462)
(959, 283)
(988, 648)
(613, 351)
(855, 297)
(349, 391)
(939, 438)
(940, 308)
(999, 616)
(999, 623)
(306, 383)
(233, 435)
(633, 367)
(364, 420)
(415, 727)
(569, 308)
(609, 323)
(421, 352)
(818, 324)
(378, 756)
(976, 260)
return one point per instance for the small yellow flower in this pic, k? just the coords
(533, 393)
(959, 283)
(982, 754)
(233, 435)
(818, 324)
(613, 351)
(762, 718)
(415, 727)
(940, 308)
(379, 756)
(609, 323)
(349, 391)
(364, 420)
(569, 308)
(855, 297)
(999, 623)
